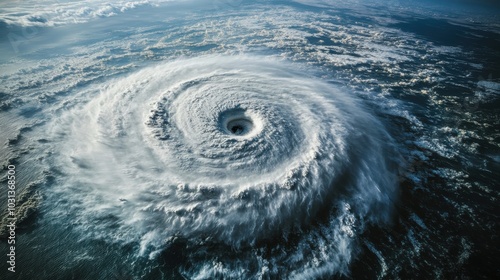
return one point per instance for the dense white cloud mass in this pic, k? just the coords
(52, 13)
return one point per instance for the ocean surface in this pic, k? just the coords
(304, 139)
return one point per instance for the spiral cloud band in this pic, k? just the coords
(231, 150)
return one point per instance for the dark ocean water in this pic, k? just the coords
(72, 101)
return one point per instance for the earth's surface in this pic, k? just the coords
(306, 139)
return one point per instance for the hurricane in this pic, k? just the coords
(295, 139)
(239, 150)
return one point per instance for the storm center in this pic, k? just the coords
(240, 126)
(238, 122)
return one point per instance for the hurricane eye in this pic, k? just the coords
(237, 129)
(238, 123)
(239, 126)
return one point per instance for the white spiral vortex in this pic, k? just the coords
(226, 149)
